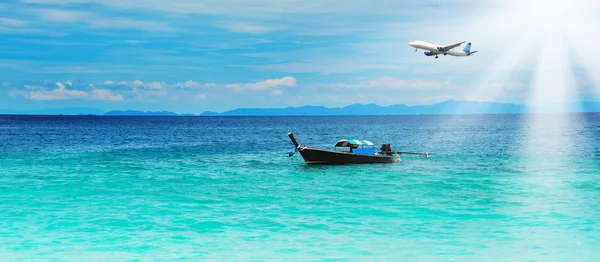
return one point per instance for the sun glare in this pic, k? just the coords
(548, 45)
(542, 35)
(553, 84)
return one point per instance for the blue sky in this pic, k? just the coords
(193, 56)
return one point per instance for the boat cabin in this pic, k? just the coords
(360, 147)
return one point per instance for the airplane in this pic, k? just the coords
(435, 50)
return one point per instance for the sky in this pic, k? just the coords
(215, 55)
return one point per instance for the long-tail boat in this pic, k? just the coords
(353, 152)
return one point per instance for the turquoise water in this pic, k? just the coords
(497, 187)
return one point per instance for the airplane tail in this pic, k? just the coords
(467, 48)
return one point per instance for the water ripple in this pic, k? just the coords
(224, 189)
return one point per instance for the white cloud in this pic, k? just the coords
(305, 42)
(258, 7)
(12, 22)
(154, 85)
(61, 86)
(55, 15)
(105, 94)
(156, 93)
(150, 26)
(137, 83)
(132, 41)
(397, 83)
(510, 85)
(108, 82)
(328, 68)
(429, 84)
(248, 28)
(61, 93)
(189, 84)
(34, 87)
(233, 86)
(199, 96)
(287, 81)
(27, 30)
(277, 92)
(508, 91)
(388, 82)
(140, 83)
(94, 21)
(147, 95)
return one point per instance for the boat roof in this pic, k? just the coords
(353, 143)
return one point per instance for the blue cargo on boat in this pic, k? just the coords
(363, 151)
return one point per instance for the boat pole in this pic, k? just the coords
(291, 135)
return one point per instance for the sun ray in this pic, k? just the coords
(537, 36)
(553, 83)
(553, 80)
(481, 88)
(585, 41)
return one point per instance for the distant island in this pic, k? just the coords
(55, 111)
(442, 108)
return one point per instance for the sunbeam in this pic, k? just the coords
(534, 38)
(553, 84)
(483, 88)
(558, 26)
(553, 137)
(529, 43)
(584, 42)
(533, 43)
(553, 81)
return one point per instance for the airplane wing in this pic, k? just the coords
(446, 48)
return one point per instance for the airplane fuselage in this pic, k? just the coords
(434, 50)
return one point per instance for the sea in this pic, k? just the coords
(144, 188)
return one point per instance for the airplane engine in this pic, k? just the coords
(429, 54)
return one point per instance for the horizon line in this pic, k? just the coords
(55, 111)
(340, 115)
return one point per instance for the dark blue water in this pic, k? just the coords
(515, 187)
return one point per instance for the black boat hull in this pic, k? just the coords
(317, 156)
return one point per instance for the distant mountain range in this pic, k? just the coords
(89, 111)
(446, 107)
(142, 113)
(55, 111)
